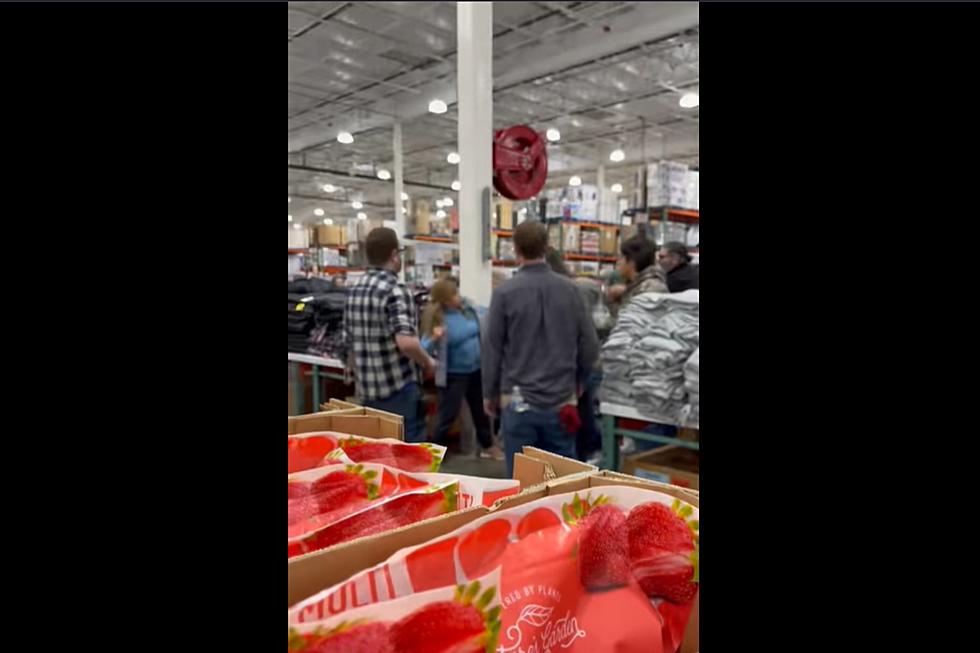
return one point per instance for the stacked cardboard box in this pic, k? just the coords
(589, 242)
(299, 238)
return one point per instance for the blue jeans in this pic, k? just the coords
(407, 402)
(655, 429)
(534, 428)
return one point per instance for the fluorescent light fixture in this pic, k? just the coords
(437, 106)
(440, 214)
(384, 174)
(318, 212)
(329, 188)
(362, 216)
(327, 221)
(689, 100)
(447, 201)
(290, 201)
(439, 203)
(617, 155)
(453, 158)
(297, 225)
(404, 197)
(575, 181)
(455, 185)
(553, 135)
(290, 219)
(356, 205)
(345, 138)
(617, 188)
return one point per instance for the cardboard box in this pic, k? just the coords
(368, 426)
(313, 572)
(504, 214)
(670, 464)
(607, 242)
(330, 235)
(338, 407)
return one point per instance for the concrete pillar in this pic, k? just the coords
(474, 79)
(399, 214)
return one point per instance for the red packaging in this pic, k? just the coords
(322, 496)
(310, 450)
(387, 514)
(609, 570)
(464, 619)
(473, 490)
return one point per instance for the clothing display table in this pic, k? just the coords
(611, 433)
(317, 362)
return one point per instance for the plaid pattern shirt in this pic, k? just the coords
(379, 307)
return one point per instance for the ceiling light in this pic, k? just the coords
(329, 188)
(290, 219)
(689, 100)
(327, 221)
(297, 225)
(437, 106)
(455, 185)
(617, 155)
(440, 214)
(345, 138)
(318, 212)
(575, 181)
(290, 200)
(356, 205)
(404, 197)
(553, 135)
(447, 201)
(453, 158)
(362, 216)
(384, 174)
(439, 203)
(617, 188)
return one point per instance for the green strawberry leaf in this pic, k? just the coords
(450, 498)
(296, 641)
(370, 474)
(694, 559)
(471, 592)
(493, 614)
(695, 524)
(458, 594)
(675, 505)
(566, 514)
(485, 598)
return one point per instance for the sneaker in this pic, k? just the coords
(493, 453)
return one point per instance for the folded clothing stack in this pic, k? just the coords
(643, 360)
(692, 381)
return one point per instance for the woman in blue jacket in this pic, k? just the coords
(451, 333)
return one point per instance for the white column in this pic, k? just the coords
(474, 80)
(399, 214)
(601, 183)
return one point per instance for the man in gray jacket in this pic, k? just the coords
(538, 349)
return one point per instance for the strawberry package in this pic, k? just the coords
(311, 450)
(610, 569)
(322, 496)
(473, 490)
(463, 619)
(378, 516)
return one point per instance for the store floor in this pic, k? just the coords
(469, 465)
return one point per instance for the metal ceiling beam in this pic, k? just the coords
(351, 175)
(647, 22)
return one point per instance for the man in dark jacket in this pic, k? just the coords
(538, 350)
(676, 262)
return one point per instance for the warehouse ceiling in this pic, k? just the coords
(607, 75)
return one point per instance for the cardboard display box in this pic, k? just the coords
(670, 464)
(312, 572)
(369, 425)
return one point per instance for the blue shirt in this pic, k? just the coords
(463, 332)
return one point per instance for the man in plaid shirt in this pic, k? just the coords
(381, 339)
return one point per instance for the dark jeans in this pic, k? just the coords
(460, 387)
(655, 429)
(589, 439)
(407, 402)
(535, 428)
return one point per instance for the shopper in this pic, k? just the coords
(451, 330)
(380, 335)
(538, 351)
(636, 266)
(676, 262)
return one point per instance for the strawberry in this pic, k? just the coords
(330, 497)
(604, 549)
(463, 625)
(480, 550)
(408, 457)
(663, 550)
(306, 453)
(299, 489)
(365, 638)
